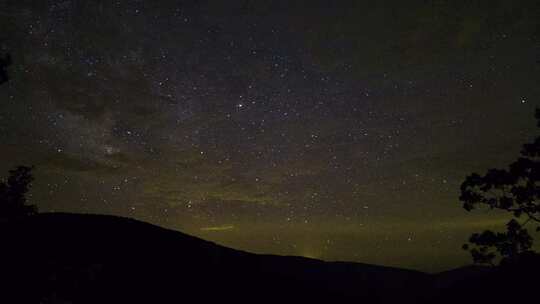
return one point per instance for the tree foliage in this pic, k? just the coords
(515, 190)
(5, 61)
(13, 202)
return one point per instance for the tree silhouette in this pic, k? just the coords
(517, 191)
(13, 191)
(4, 63)
(13, 203)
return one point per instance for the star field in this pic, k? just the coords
(335, 130)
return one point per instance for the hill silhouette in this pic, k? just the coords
(74, 258)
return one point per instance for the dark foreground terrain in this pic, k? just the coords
(69, 258)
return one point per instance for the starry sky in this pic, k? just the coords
(338, 130)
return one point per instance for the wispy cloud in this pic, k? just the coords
(218, 228)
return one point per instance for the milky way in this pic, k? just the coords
(338, 130)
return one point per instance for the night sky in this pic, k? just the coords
(338, 130)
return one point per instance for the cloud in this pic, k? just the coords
(64, 162)
(218, 228)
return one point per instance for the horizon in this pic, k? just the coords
(340, 131)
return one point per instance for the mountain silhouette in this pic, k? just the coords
(75, 258)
